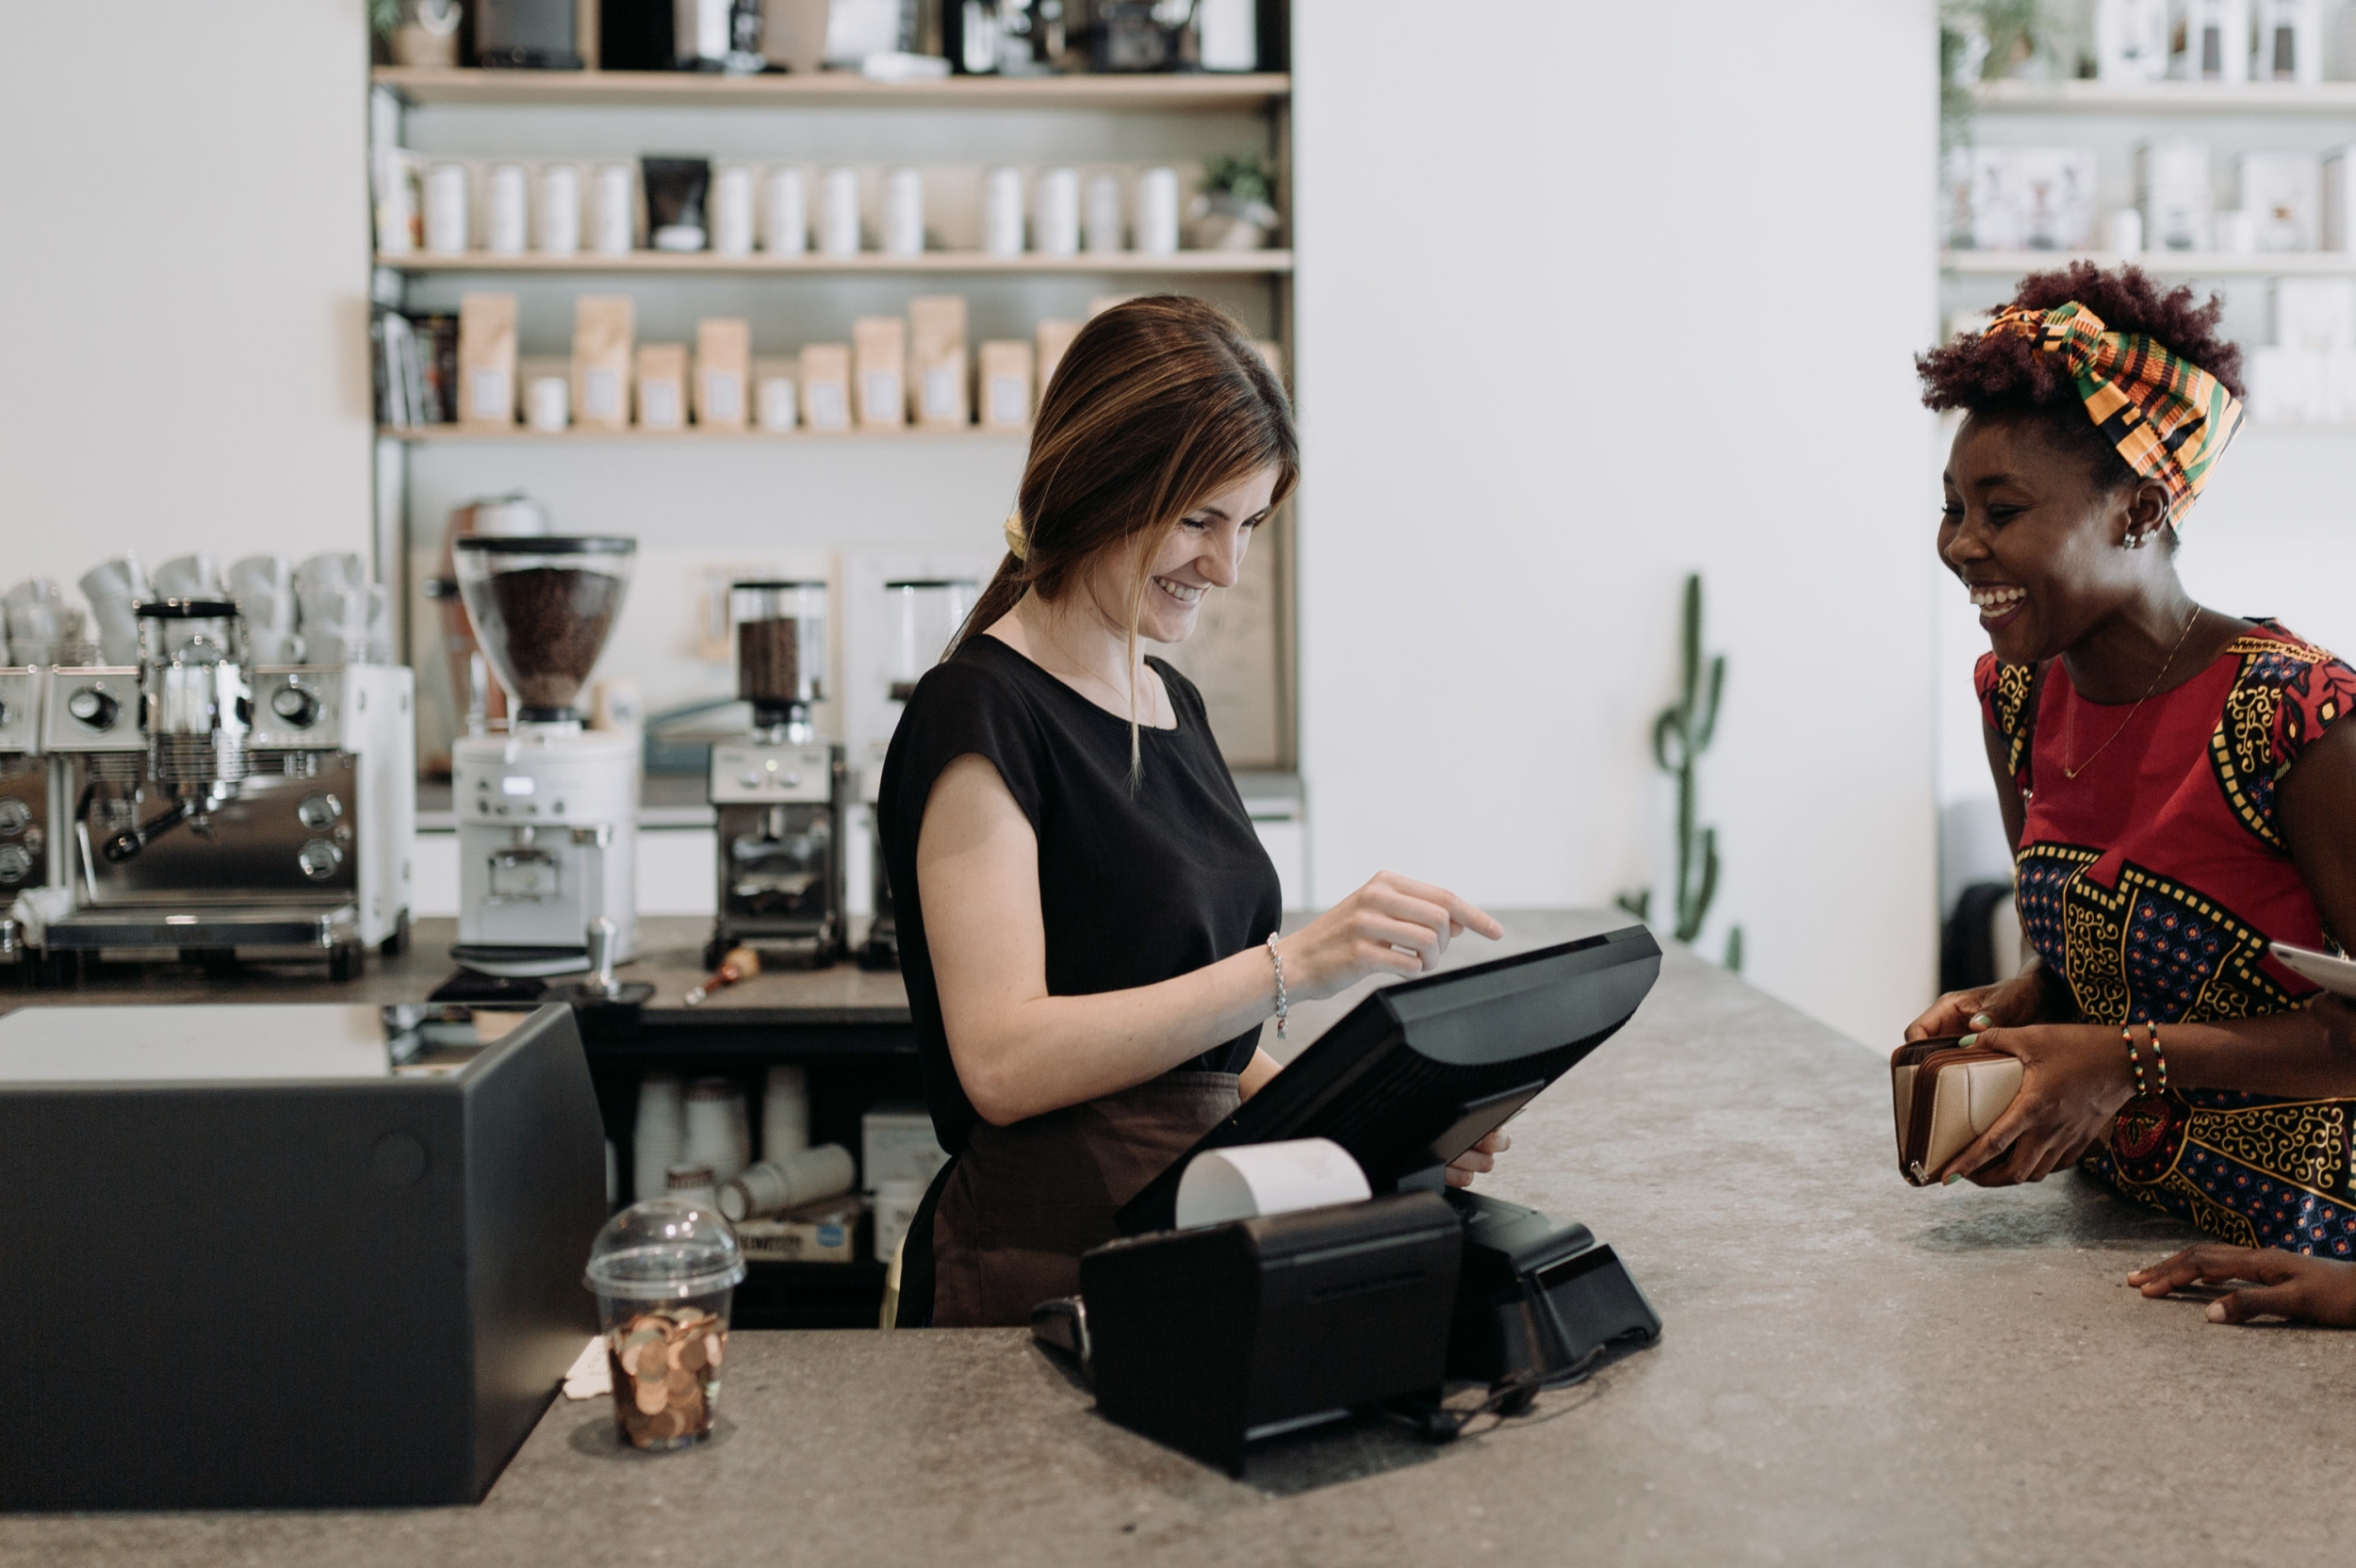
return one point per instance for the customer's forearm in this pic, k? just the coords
(2309, 1052)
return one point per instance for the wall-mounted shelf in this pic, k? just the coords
(1184, 263)
(693, 434)
(2211, 98)
(830, 90)
(2170, 264)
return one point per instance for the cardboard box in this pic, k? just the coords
(824, 1232)
(896, 1144)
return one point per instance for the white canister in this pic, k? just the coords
(506, 211)
(616, 223)
(773, 404)
(1105, 224)
(732, 211)
(446, 208)
(838, 212)
(787, 213)
(896, 1204)
(1056, 228)
(656, 1137)
(560, 209)
(1158, 212)
(2122, 232)
(903, 213)
(1002, 212)
(547, 402)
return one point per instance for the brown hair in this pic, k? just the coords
(1159, 404)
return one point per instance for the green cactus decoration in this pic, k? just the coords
(1680, 736)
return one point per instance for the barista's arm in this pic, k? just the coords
(1021, 1053)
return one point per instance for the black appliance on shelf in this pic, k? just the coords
(526, 35)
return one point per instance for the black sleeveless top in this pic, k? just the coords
(1135, 888)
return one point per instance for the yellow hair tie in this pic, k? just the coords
(1017, 540)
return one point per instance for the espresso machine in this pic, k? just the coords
(778, 791)
(920, 615)
(206, 804)
(24, 801)
(547, 811)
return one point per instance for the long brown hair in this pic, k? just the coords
(1159, 404)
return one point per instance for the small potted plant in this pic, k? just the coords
(418, 32)
(1235, 210)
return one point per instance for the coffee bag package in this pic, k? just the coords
(661, 385)
(487, 360)
(604, 328)
(937, 360)
(723, 359)
(880, 347)
(1005, 385)
(827, 386)
(1052, 337)
(775, 394)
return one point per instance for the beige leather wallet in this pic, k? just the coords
(1945, 1095)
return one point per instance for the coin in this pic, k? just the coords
(692, 1355)
(651, 1397)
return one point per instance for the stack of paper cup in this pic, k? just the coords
(789, 1181)
(1002, 212)
(903, 213)
(41, 628)
(192, 576)
(1104, 218)
(616, 227)
(715, 1127)
(838, 212)
(784, 1113)
(787, 214)
(333, 590)
(1056, 228)
(733, 210)
(659, 1135)
(1157, 211)
(112, 587)
(264, 588)
(560, 209)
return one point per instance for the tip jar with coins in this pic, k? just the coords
(663, 1272)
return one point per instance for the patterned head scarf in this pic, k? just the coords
(2170, 418)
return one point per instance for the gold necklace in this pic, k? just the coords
(2069, 742)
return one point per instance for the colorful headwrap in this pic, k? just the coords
(2170, 418)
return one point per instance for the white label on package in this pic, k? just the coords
(492, 399)
(1009, 400)
(658, 404)
(724, 397)
(602, 395)
(885, 402)
(941, 393)
(829, 408)
(1268, 1177)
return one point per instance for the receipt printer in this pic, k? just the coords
(1537, 1295)
(1209, 1338)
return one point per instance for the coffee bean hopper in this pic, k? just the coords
(547, 811)
(779, 792)
(920, 615)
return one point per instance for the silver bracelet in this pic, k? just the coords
(1283, 1008)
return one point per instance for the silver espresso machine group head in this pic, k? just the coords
(921, 615)
(23, 802)
(548, 811)
(212, 806)
(778, 793)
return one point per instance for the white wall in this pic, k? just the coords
(187, 280)
(1592, 296)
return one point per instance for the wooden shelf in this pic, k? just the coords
(693, 434)
(1184, 263)
(830, 90)
(2171, 264)
(2329, 99)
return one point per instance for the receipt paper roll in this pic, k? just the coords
(1261, 1179)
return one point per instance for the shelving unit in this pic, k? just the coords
(830, 90)
(436, 435)
(2167, 264)
(2167, 98)
(692, 262)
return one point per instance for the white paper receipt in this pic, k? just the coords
(1261, 1179)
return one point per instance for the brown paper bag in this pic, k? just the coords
(604, 326)
(661, 385)
(880, 346)
(937, 365)
(1005, 385)
(724, 358)
(487, 360)
(1054, 338)
(827, 386)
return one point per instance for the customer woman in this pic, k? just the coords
(2176, 783)
(1087, 918)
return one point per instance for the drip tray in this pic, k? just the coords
(240, 925)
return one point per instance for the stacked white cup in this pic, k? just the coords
(112, 587)
(786, 214)
(264, 588)
(1105, 221)
(716, 1131)
(1056, 226)
(41, 629)
(1002, 212)
(661, 1133)
(784, 1113)
(337, 608)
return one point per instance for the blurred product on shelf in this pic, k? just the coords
(2131, 41)
(2313, 314)
(1229, 34)
(2289, 41)
(1236, 207)
(675, 188)
(506, 210)
(880, 347)
(1052, 337)
(1157, 211)
(733, 210)
(857, 29)
(526, 35)
(786, 213)
(827, 386)
(446, 209)
(1106, 225)
(2338, 232)
(795, 37)
(838, 212)
(1005, 377)
(487, 360)
(937, 360)
(2022, 198)
(2282, 193)
(616, 223)
(724, 353)
(717, 35)
(773, 394)
(663, 385)
(2307, 374)
(548, 403)
(2211, 41)
(426, 35)
(1055, 222)
(396, 180)
(1002, 212)
(903, 213)
(2172, 188)
(785, 1112)
(2122, 232)
(604, 330)
(558, 231)
(897, 1144)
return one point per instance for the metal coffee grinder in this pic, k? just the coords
(778, 793)
(920, 615)
(548, 812)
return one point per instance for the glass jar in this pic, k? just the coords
(781, 647)
(543, 607)
(664, 1272)
(922, 614)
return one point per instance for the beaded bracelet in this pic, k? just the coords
(2127, 1035)
(1283, 1003)
(2152, 1031)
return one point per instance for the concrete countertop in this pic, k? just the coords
(1853, 1372)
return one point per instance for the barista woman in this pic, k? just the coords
(2177, 784)
(1087, 918)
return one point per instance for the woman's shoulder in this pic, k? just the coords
(1184, 693)
(2287, 688)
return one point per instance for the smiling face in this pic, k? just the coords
(1204, 551)
(2034, 533)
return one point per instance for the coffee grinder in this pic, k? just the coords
(920, 615)
(778, 793)
(548, 812)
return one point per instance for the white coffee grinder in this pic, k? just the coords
(548, 812)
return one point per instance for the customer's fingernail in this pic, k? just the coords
(1981, 1021)
(1953, 1177)
(2216, 1311)
(1966, 1040)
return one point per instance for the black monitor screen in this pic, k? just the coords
(1420, 1072)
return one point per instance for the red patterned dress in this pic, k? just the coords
(2152, 882)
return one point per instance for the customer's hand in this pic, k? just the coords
(2304, 1289)
(2074, 1077)
(2008, 1004)
(1392, 925)
(1479, 1157)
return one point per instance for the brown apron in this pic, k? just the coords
(1024, 1202)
